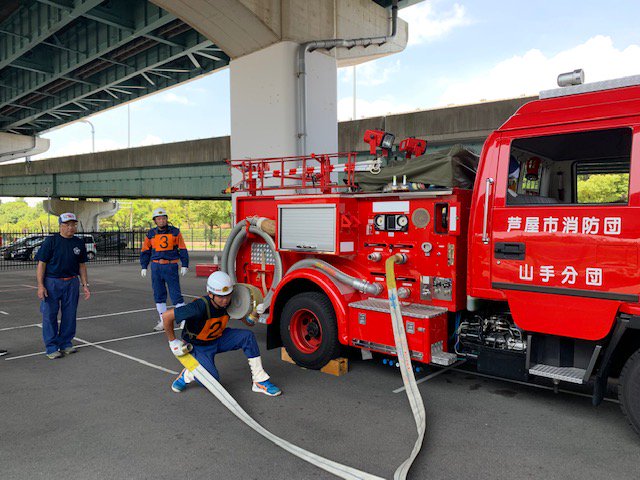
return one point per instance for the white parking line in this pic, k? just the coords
(19, 327)
(129, 357)
(116, 313)
(3, 312)
(14, 289)
(434, 374)
(79, 318)
(86, 344)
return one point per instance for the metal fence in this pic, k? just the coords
(18, 249)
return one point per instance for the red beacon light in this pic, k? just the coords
(379, 139)
(413, 147)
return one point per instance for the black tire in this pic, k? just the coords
(314, 343)
(629, 390)
(91, 255)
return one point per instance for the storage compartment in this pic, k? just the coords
(307, 228)
(370, 327)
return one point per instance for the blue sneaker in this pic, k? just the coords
(267, 388)
(179, 384)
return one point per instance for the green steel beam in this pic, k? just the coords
(94, 98)
(96, 40)
(206, 181)
(34, 23)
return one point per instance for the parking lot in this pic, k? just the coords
(108, 411)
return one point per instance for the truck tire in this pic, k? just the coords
(309, 331)
(629, 390)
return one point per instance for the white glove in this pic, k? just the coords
(143, 272)
(179, 347)
(183, 271)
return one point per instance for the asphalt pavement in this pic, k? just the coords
(108, 412)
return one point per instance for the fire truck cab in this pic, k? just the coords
(532, 275)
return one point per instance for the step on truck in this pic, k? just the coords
(529, 272)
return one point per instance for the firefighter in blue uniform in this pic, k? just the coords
(164, 247)
(205, 334)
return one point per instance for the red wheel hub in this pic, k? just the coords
(306, 332)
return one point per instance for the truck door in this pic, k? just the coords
(564, 236)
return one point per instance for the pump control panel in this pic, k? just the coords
(391, 222)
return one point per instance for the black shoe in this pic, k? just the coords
(3, 352)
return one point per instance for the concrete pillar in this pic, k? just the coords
(88, 213)
(264, 103)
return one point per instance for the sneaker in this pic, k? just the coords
(179, 384)
(69, 350)
(159, 326)
(267, 388)
(54, 355)
(3, 352)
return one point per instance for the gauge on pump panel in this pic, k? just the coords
(379, 222)
(402, 221)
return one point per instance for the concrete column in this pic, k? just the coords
(88, 213)
(264, 103)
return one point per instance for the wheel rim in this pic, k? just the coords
(306, 331)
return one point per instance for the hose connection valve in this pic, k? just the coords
(404, 292)
(375, 256)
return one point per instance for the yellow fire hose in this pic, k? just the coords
(337, 469)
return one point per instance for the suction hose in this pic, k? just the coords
(357, 283)
(261, 227)
(404, 359)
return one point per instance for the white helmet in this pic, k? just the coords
(159, 212)
(219, 283)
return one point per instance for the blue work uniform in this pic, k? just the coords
(206, 329)
(164, 248)
(63, 257)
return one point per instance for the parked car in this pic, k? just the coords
(90, 245)
(110, 241)
(23, 248)
(88, 242)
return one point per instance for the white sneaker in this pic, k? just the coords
(159, 326)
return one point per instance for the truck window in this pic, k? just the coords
(575, 168)
(602, 183)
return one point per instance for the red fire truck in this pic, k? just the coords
(532, 274)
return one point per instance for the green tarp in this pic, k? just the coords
(454, 168)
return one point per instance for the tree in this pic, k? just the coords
(212, 213)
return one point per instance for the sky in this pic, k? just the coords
(459, 52)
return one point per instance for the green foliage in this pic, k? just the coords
(133, 214)
(603, 188)
(19, 216)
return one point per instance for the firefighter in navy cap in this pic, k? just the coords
(205, 334)
(164, 248)
(61, 259)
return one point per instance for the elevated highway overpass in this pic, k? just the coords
(196, 169)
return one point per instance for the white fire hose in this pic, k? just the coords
(402, 350)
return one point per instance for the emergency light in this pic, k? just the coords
(413, 147)
(379, 139)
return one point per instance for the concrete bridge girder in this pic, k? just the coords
(242, 27)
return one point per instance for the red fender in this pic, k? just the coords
(331, 289)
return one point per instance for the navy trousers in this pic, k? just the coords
(62, 295)
(231, 339)
(163, 276)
